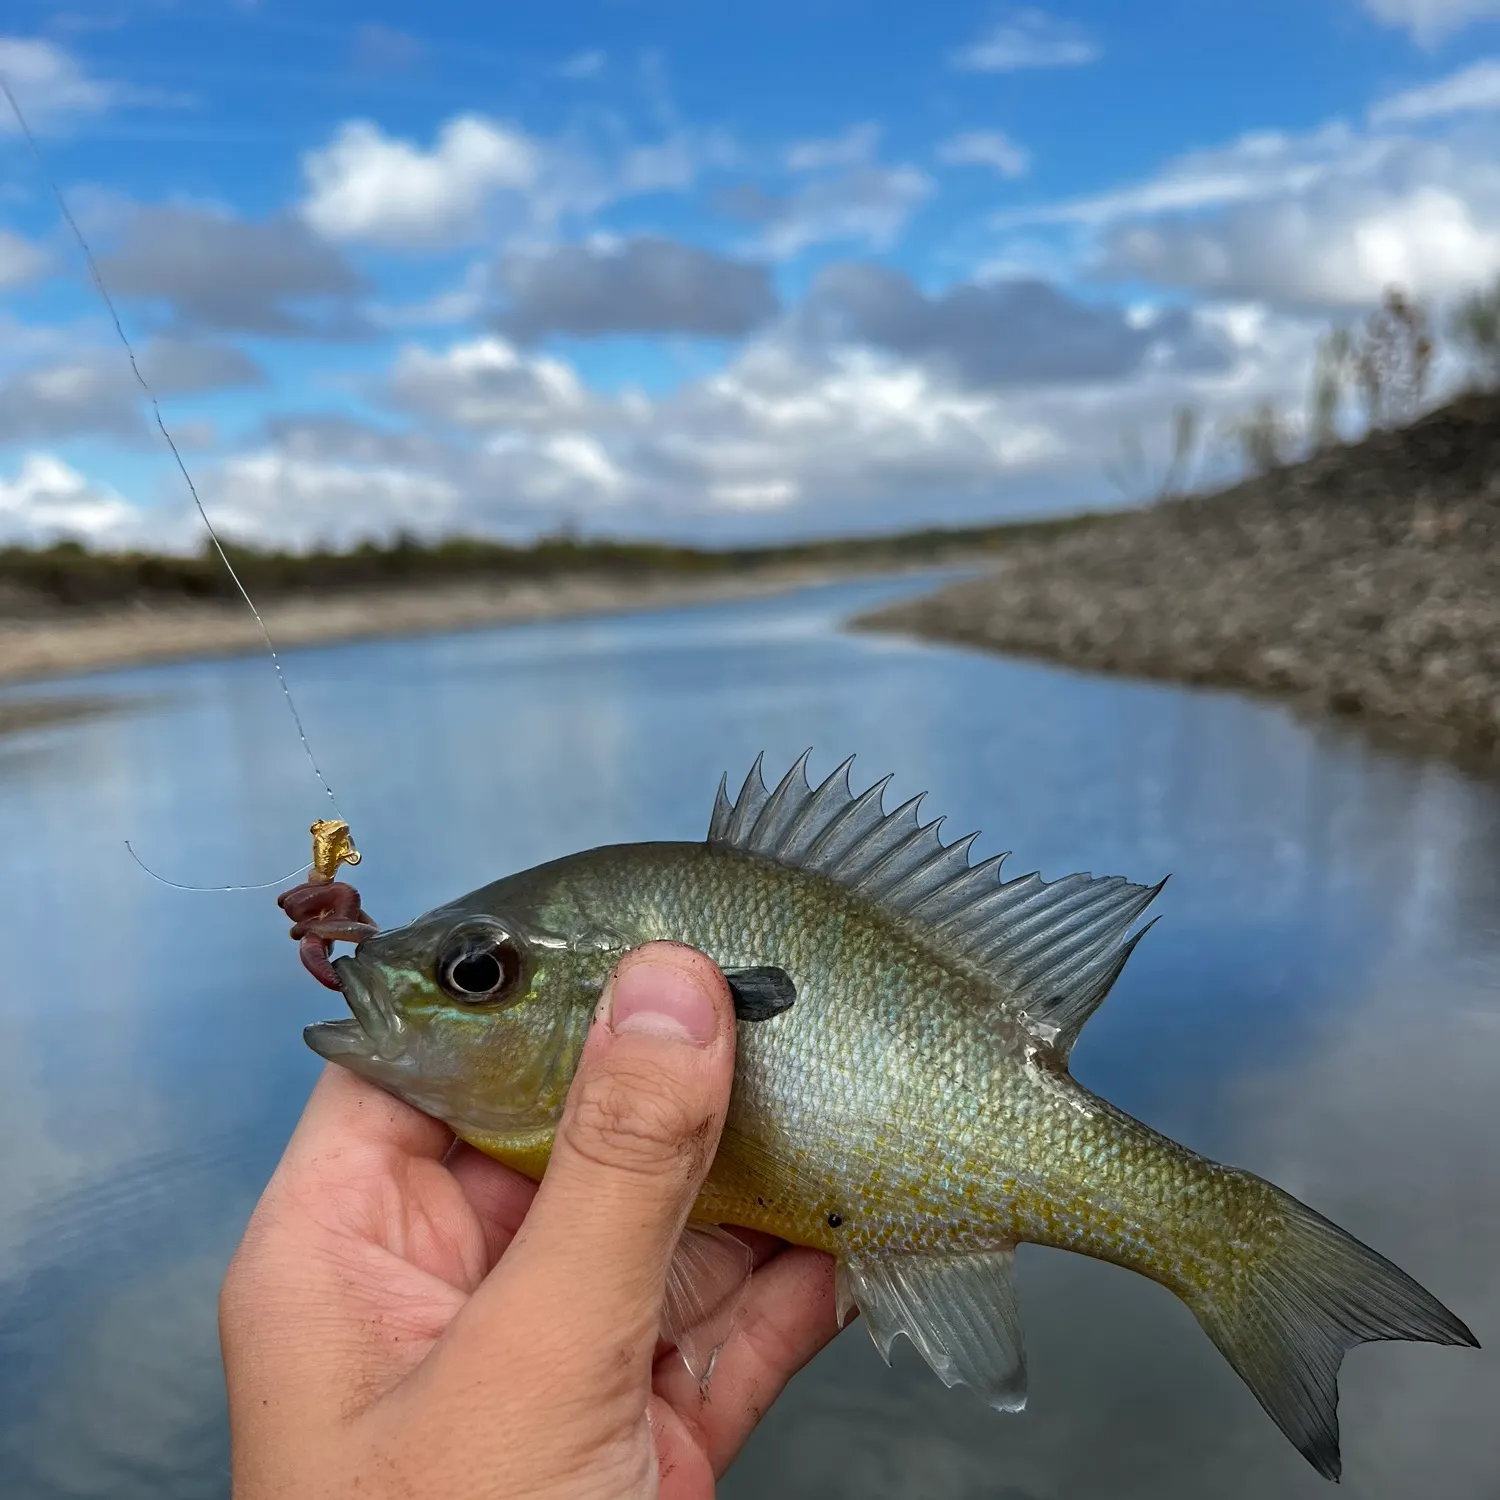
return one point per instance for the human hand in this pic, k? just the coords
(406, 1317)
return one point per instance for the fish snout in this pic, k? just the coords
(376, 1029)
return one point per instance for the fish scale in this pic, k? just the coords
(977, 1122)
(899, 1171)
(901, 1099)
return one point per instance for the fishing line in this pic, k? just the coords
(264, 885)
(109, 303)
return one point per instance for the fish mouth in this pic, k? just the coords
(374, 1030)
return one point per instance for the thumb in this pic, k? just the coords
(636, 1140)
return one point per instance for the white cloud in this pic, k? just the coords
(336, 487)
(372, 187)
(856, 147)
(1027, 38)
(49, 83)
(772, 432)
(641, 285)
(1471, 91)
(383, 49)
(986, 148)
(20, 260)
(214, 270)
(484, 180)
(304, 503)
(1432, 20)
(46, 501)
(671, 165)
(853, 429)
(1258, 165)
(869, 205)
(849, 429)
(461, 303)
(998, 333)
(1328, 218)
(792, 432)
(1342, 248)
(486, 383)
(580, 462)
(583, 65)
(92, 390)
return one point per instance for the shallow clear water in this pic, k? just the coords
(1318, 1004)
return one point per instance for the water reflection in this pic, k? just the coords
(1318, 1004)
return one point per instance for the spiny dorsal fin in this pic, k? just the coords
(1055, 946)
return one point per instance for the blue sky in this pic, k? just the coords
(703, 271)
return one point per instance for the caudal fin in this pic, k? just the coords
(1300, 1307)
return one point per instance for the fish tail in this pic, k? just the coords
(1285, 1317)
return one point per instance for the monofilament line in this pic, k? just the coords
(109, 304)
(263, 885)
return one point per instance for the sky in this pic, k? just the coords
(716, 273)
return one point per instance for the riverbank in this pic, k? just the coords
(1364, 582)
(22, 714)
(69, 642)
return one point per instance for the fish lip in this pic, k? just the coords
(336, 1040)
(375, 1029)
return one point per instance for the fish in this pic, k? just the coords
(902, 1097)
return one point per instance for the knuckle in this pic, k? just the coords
(628, 1119)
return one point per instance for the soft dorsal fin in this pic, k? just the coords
(1055, 946)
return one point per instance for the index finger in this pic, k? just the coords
(299, 1320)
(344, 1114)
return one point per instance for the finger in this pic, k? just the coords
(498, 1194)
(788, 1315)
(295, 1324)
(344, 1114)
(683, 1468)
(352, 1140)
(636, 1139)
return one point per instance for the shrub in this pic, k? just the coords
(1475, 328)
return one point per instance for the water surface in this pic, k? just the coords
(1318, 1004)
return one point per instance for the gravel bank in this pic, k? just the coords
(1365, 581)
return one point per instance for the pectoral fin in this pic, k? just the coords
(760, 993)
(705, 1284)
(959, 1310)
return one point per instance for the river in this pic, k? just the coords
(1319, 1004)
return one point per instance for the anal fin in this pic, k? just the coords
(959, 1310)
(706, 1281)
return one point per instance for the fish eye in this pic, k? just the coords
(481, 971)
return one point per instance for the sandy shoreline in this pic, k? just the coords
(66, 645)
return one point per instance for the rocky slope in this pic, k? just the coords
(1363, 581)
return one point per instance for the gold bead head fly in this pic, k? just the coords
(332, 846)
